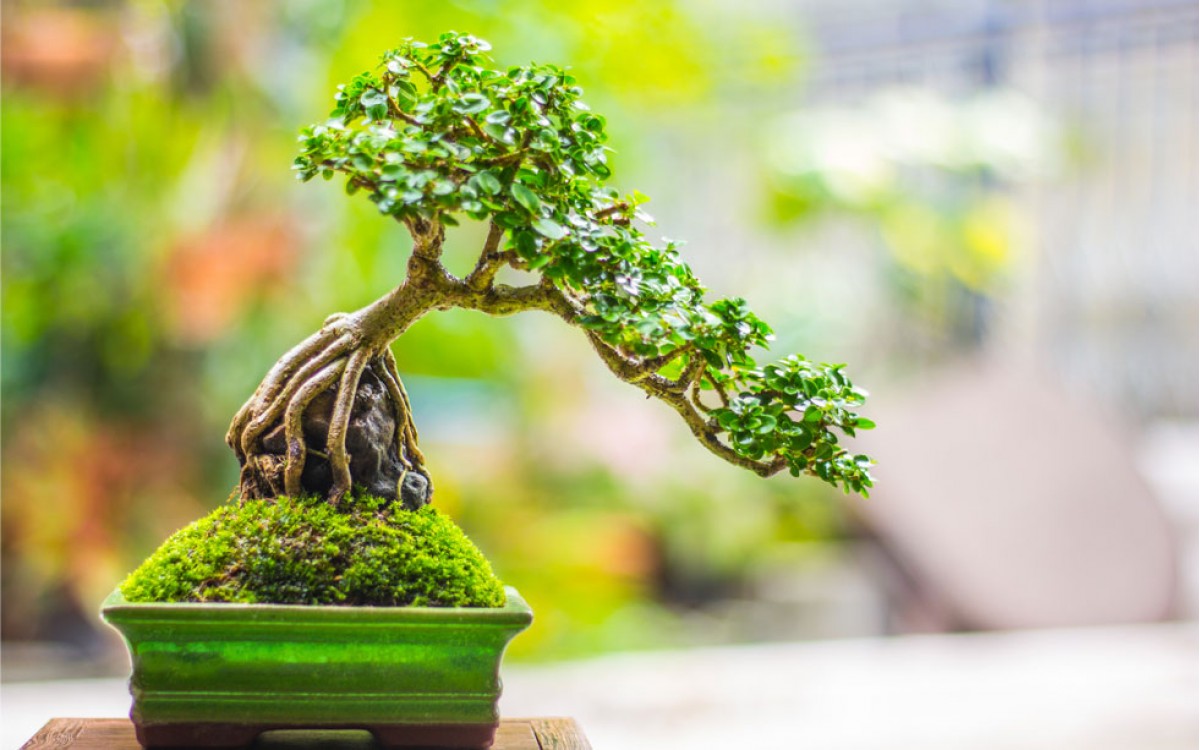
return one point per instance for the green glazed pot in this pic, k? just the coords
(218, 675)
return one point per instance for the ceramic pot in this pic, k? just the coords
(218, 675)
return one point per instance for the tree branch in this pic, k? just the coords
(708, 438)
(424, 71)
(490, 261)
(720, 389)
(504, 158)
(395, 111)
(501, 299)
(614, 208)
(654, 364)
(478, 130)
(664, 390)
(428, 236)
(620, 365)
(690, 376)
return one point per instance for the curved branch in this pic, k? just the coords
(690, 373)
(616, 208)
(395, 111)
(478, 131)
(719, 388)
(504, 300)
(668, 391)
(708, 438)
(694, 397)
(490, 261)
(511, 156)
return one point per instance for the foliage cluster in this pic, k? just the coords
(436, 134)
(305, 551)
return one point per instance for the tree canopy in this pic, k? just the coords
(437, 134)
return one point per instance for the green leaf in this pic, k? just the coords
(374, 103)
(406, 93)
(726, 419)
(767, 424)
(526, 198)
(526, 244)
(489, 182)
(547, 228)
(509, 219)
(472, 103)
(497, 131)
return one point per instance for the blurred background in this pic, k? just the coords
(988, 208)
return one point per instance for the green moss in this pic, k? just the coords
(303, 551)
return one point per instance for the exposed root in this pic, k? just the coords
(396, 391)
(297, 450)
(278, 376)
(276, 407)
(269, 433)
(404, 419)
(339, 423)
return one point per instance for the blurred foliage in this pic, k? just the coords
(933, 175)
(158, 256)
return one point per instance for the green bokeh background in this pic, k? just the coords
(158, 257)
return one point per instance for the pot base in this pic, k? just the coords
(209, 734)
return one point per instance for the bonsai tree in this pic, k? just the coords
(438, 135)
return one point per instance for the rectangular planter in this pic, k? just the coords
(217, 675)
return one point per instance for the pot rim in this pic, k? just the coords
(116, 608)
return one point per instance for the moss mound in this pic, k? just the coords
(303, 551)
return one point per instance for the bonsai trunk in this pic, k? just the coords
(339, 388)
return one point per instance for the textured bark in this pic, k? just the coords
(332, 413)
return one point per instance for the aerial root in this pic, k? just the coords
(279, 403)
(406, 428)
(276, 379)
(339, 424)
(294, 427)
(396, 391)
(333, 358)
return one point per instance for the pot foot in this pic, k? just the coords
(197, 735)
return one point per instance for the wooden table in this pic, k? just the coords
(117, 734)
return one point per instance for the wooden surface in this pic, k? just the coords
(117, 734)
